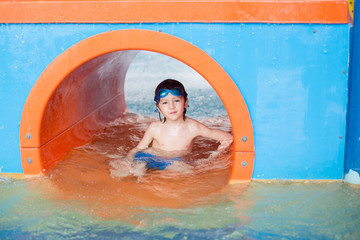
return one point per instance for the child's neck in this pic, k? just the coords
(177, 122)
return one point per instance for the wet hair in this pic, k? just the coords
(170, 84)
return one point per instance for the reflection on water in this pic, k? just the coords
(261, 210)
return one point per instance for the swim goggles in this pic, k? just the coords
(164, 92)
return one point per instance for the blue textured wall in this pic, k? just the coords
(293, 77)
(353, 140)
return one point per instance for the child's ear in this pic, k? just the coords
(186, 102)
(159, 110)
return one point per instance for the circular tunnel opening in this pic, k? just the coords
(148, 69)
(83, 89)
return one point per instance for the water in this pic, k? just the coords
(261, 210)
(80, 198)
(96, 166)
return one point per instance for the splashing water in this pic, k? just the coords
(94, 172)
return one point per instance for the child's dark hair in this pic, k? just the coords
(170, 84)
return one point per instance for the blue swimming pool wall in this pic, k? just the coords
(293, 77)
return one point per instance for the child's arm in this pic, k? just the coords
(144, 143)
(223, 137)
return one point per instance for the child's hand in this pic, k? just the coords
(131, 154)
(120, 168)
(214, 155)
(138, 169)
(224, 145)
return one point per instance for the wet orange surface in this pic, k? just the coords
(85, 174)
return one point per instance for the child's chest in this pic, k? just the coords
(174, 139)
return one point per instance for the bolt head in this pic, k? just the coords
(29, 160)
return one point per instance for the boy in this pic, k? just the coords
(171, 137)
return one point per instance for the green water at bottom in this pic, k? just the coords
(261, 210)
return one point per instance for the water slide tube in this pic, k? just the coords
(83, 89)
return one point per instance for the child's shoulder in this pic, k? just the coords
(154, 124)
(191, 121)
(194, 123)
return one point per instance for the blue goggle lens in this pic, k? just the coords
(164, 92)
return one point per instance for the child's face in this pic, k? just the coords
(172, 107)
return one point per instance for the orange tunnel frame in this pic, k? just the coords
(75, 97)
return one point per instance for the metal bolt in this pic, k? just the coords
(244, 163)
(244, 139)
(28, 136)
(29, 160)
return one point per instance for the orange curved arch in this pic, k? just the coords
(36, 150)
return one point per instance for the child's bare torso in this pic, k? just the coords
(174, 137)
